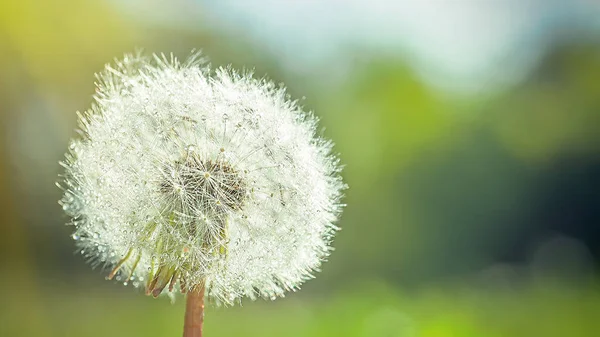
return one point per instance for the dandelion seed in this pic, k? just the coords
(205, 180)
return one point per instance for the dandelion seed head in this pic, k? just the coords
(188, 176)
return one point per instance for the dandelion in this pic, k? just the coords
(210, 183)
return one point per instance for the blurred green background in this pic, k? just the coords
(471, 212)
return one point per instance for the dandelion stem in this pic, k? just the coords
(194, 312)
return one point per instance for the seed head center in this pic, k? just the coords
(212, 186)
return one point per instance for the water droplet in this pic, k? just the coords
(75, 237)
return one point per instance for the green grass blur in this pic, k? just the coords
(360, 309)
(456, 215)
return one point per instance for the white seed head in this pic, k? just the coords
(186, 177)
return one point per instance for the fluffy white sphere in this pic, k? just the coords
(183, 177)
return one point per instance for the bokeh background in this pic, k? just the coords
(470, 131)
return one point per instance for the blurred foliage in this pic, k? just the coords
(451, 197)
(357, 309)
